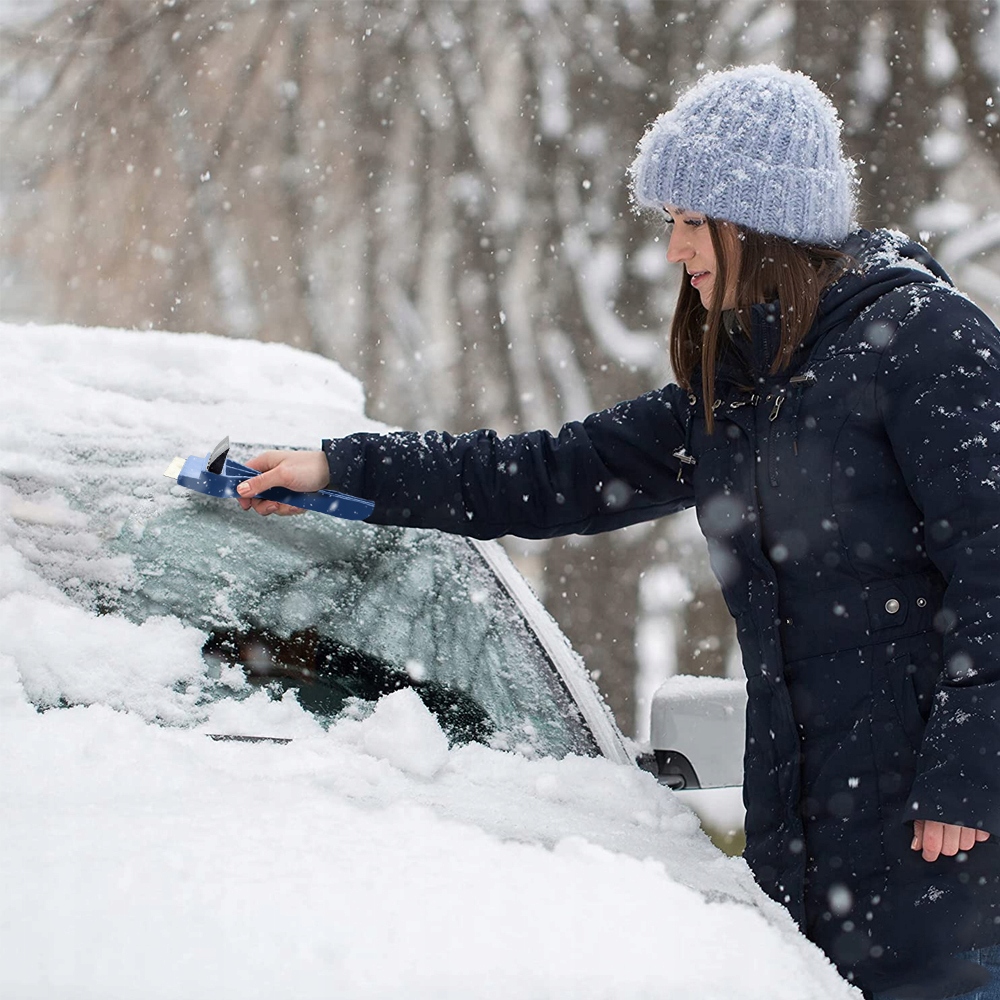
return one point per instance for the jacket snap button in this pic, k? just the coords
(921, 602)
(892, 605)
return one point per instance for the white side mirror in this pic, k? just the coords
(697, 731)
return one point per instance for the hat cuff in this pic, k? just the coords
(806, 204)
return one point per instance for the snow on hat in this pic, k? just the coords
(756, 145)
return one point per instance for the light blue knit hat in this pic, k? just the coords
(755, 145)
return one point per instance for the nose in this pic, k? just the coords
(678, 248)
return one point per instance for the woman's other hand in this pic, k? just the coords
(301, 471)
(935, 839)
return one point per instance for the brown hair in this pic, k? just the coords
(770, 268)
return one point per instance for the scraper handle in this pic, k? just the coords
(195, 475)
(324, 501)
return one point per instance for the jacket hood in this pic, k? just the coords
(883, 260)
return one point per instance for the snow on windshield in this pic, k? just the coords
(366, 859)
(343, 611)
(92, 417)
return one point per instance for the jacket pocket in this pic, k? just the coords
(912, 674)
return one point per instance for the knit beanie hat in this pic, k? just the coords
(755, 145)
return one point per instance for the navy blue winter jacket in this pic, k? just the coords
(852, 510)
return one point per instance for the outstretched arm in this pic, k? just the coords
(615, 468)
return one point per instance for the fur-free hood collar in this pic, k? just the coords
(883, 261)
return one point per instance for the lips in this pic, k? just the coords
(697, 277)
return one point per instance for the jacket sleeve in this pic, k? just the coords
(939, 386)
(613, 469)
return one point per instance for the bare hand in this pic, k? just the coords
(302, 471)
(935, 839)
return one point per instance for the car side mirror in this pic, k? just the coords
(697, 732)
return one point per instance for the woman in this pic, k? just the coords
(837, 426)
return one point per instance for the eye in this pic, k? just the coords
(668, 219)
(694, 222)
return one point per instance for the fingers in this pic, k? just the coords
(301, 471)
(266, 460)
(272, 466)
(272, 477)
(266, 507)
(933, 839)
(966, 838)
(950, 839)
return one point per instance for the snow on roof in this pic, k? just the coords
(174, 391)
(367, 860)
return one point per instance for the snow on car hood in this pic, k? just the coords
(363, 860)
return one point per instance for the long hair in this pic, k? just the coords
(770, 268)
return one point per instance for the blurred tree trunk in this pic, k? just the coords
(915, 81)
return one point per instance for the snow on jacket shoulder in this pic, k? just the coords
(613, 469)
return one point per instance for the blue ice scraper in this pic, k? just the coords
(217, 475)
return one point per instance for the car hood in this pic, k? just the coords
(368, 859)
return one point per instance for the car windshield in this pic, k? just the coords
(344, 612)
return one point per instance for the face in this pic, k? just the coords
(690, 244)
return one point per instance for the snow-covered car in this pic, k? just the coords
(308, 757)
